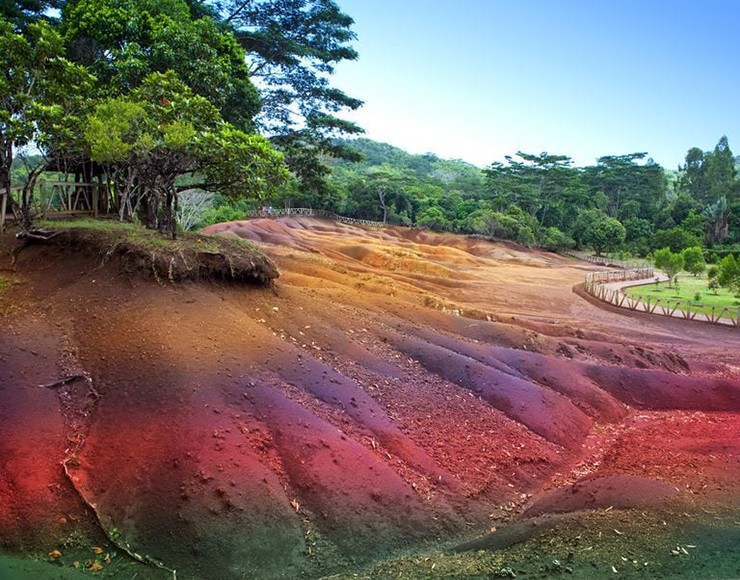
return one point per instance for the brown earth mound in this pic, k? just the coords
(394, 388)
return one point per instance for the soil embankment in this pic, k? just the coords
(394, 389)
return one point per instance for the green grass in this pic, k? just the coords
(688, 288)
(6, 283)
(191, 256)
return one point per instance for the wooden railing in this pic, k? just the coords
(600, 285)
(601, 260)
(59, 198)
(273, 212)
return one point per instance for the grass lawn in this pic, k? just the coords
(688, 288)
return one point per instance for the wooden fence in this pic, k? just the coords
(272, 212)
(601, 260)
(67, 198)
(598, 285)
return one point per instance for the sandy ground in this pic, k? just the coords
(395, 389)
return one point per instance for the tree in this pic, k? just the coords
(717, 216)
(493, 224)
(433, 218)
(694, 260)
(621, 180)
(638, 234)
(554, 240)
(192, 207)
(677, 239)
(694, 223)
(594, 228)
(607, 235)
(728, 275)
(39, 86)
(584, 222)
(21, 13)
(692, 180)
(720, 172)
(387, 184)
(669, 262)
(544, 185)
(160, 132)
(292, 48)
(707, 176)
(124, 41)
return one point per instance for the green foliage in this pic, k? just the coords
(161, 132)
(221, 214)
(546, 186)
(238, 164)
(608, 235)
(124, 41)
(664, 259)
(638, 234)
(694, 260)
(717, 216)
(433, 217)
(554, 240)
(713, 285)
(292, 47)
(626, 186)
(728, 275)
(112, 130)
(707, 176)
(41, 92)
(22, 13)
(677, 239)
(594, 228)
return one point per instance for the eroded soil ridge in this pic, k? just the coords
(394, 388)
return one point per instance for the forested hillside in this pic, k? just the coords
(108, 92)
(623, 202)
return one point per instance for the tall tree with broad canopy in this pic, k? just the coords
(544, 185)
(622, 180)
(708, 176)
(162, 131)
(123, 41)
(292, 49)
(721, 172)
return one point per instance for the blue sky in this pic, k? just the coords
(480, 79)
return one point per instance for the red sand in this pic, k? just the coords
(393, 388)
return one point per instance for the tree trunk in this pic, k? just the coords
(27, 197)
(381, 197)
(6, 162)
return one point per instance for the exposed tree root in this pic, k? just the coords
(76, 417)
(37, 234)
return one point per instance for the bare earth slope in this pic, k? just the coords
(394, 389)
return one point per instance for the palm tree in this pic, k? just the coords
(717, 216)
